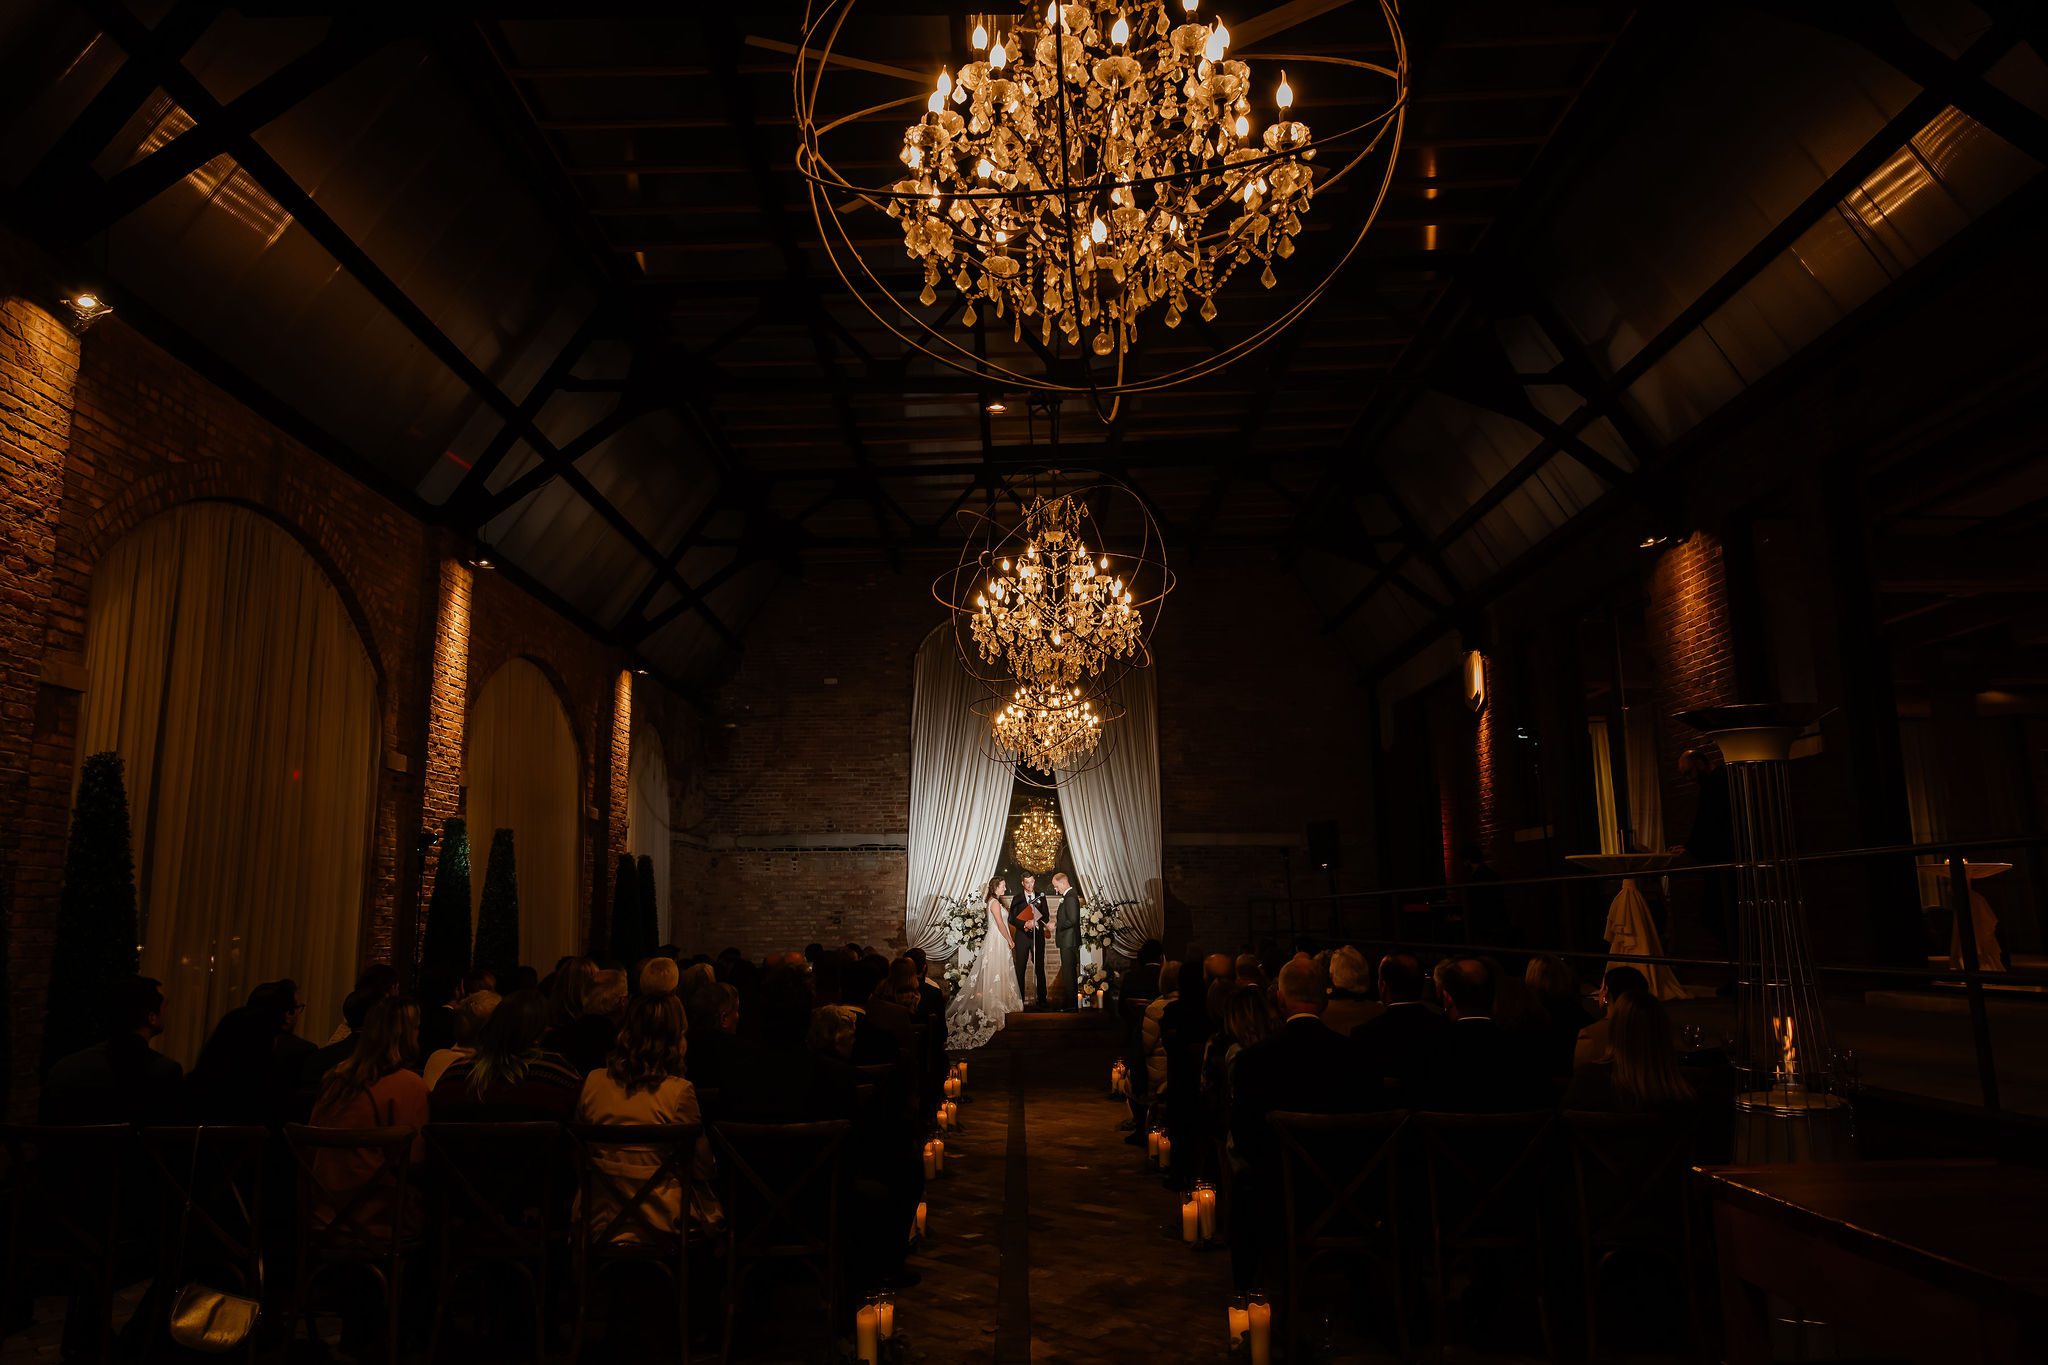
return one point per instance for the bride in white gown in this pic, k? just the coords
(982, 1005)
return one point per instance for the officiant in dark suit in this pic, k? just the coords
(1028, 922)
(1067, 934)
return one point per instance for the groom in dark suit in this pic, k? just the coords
(1027, 926)
(1067, 934)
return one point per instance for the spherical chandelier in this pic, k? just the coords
(1054, 615)
(1092, 165)
(1036, 842)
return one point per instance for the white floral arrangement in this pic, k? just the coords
(1098, 925)
(1095, 977)
(966, 921)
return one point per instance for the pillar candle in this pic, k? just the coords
(1190, 1221)
(939, 1154)
(963, 1073)
(1205, 1205)
(1152, 1146)
(931, 1165)
(1165, 1151)
(885, 1318)
(952, 1114)
(1259, 1319)
(865, 1326)
(919, 1224)
(1240, 1323)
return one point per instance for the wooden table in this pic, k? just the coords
(1924, 1260)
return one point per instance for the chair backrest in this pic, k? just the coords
(1489, 1174)
(1629, 1173)
(367, 1215)
(634, 1205)
(496, 1185)
(782, 1185)
(212, 1180)
(1339, 1176)
(62, 1186)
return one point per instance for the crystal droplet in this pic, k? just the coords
(1173, 317)
(1208, 310)
(1286, 248)
(967, 318)
(1266, 276)
(928, 297)
(1102, 342)
(1017, 327)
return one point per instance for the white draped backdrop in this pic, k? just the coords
(959, 801)
(1111, 814)
(520, 765)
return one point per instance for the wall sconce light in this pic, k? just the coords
(479, 556)
(87, 307)
(1653, 540)
(1475, 681)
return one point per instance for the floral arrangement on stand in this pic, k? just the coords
(1095, 979)
(966, 920)
(1098, 925)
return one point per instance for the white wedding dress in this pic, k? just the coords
(982, 1005)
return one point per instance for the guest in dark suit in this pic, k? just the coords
(122, 1080)
(1396, 1047)
(1480, 1067)
(1141, 980)
(1562, 1013)
(1304, 1068)
(714, 1052)
(873, 1043)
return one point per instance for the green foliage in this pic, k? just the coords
(497, 919)
(444, 954)
(95, 946)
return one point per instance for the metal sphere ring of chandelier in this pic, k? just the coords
(1089, 165)
(1055, 599)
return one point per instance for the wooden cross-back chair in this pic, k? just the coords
(210, 1223)
(63, 1187)
(1629, 1176)
(1489, 1177)
(1340, 1181)
(371, 1225)
(636, 1215)
(498, 1202)
(782, 1194)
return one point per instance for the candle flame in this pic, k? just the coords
(1783, 1028)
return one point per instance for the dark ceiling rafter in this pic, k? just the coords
(1988, 48)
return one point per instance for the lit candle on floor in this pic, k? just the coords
(939, 1154)
(885, 1318)
(963, 1074)
(931, 1161)
(1190, 1221)
(952, 1114)
(1240, 1320)
(918, 1225)
(1165, 1151)
(866, 1342)
(1152, 1146)
(1259, 1321)
(1205, 1205)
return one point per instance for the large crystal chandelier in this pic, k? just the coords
(1036, 842)
(1047, 729)
(1057, 612)
(1088, 166)
(1154, 119)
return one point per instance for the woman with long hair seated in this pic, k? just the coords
(1644, 1075)
(642, 1083)
(373, 1087)
(509, 1078)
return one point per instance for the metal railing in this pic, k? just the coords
(1288, 918)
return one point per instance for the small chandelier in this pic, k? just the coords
(1090, 165)
(1047, 729)
(1036, 842)
(1054, 614)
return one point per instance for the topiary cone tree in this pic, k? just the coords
(444, 950)
(650, 912)
(626, 945)
(95, 945)
(497, 918)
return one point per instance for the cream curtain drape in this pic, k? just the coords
(647, 816)
(1603, 786)
(1112, 815)
(224, 669)
(1645, 789)
(959, 800)
(521, 771)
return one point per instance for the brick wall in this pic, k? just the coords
(99, 435)
(795, 816)
(1691, 637)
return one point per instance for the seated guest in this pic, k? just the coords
(1150, 1037)
(1351, 997)
(373, 1087)
(585, 1041)
(236, 1079)
(1398, 1045)
(122, 1080)
(566, 985)
(470, 1013)
(1247, 1021)
(1302, 1068)
(1561, 1014)
(315, 1065)
(931, 1001)
(279, 1001)
(1480, 1067)
(509, 1078)
(378, 981)
(831, 1034)
(1185, 1028)
(714, 1017)
(1592, 1046)
(661, 976)
(1249, 972)
(1218, 967)
(1141, 979)
(1643, 1074)
(873, 1043)
(642, 1082)
(778, 1078)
